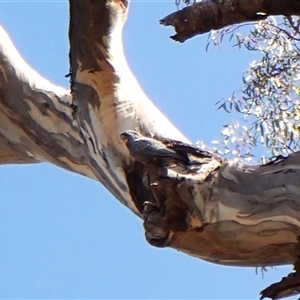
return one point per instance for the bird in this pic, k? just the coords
(151, 151)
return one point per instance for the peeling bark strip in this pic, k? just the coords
(206, 15)
(223, 212)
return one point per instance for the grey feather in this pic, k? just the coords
(151, 151)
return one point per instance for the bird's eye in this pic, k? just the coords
(124, 137)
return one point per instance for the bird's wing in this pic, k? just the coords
(155, 148)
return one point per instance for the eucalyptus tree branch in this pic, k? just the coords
(36, 117)
(217, 210)
(79, 130)
(204, 16)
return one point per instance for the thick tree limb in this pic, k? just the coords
(220, 211)
(79, 131)
(36, 116)
(239, 215)
(206, 15)
(106, 94)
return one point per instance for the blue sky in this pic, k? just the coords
(63, 235)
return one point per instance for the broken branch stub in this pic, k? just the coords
(204, 16)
